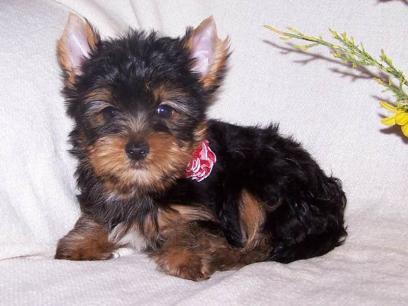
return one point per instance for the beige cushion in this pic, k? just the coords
(337, 119)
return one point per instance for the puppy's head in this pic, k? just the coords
(139, 102)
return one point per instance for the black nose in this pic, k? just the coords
(137, 150)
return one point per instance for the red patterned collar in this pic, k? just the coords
(202, 162)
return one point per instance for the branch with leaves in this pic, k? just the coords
(349, 52)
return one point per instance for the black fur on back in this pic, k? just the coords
(305, 207)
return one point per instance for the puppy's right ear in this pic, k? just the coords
(74, 46)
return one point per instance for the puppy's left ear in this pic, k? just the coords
(209, 53)
(74, 47)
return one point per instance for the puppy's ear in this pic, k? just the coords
(209, 52)
(74, 46)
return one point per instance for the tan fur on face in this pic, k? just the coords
(167, 159)
(108, 159)
(165, 162)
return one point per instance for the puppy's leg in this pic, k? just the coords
(195, 246)
(88, 240)
(190, 250)
(194, 251)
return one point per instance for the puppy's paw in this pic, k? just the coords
(82, 249)
(183, 263)
(88, 240)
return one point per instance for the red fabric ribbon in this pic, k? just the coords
(202, 162)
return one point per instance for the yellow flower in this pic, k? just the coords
(399, 117)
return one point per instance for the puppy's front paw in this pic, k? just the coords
(87, 241)
(82, 249)
(183, 263)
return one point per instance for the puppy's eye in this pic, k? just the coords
(109, 112)
(164, 111)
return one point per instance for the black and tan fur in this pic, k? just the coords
(266, 198)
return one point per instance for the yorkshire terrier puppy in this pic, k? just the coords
(197, 195)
